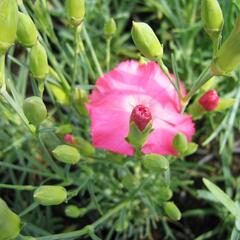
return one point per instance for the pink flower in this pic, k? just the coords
(116, 95)
(210, 100)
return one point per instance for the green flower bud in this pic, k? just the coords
(172, 211)
(59, 94)
(81, 98)
(66, 154)
(64, 129)
(192, 148)
(165, 193)
(73, 211)
(9, 222)
(212, 17)
(155, 162)
(75, 11)
(146, 41)
(38, 61)
(34, 110)
(110, 28)
(26, 31)
(50, 195)
(228, 56)
(85, 147)
(8, 23)
(130, 182)
(180, 143)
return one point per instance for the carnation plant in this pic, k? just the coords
(119, 119)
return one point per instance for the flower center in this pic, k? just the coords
(141, 115)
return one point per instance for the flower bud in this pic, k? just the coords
(146, 41)
(210, 100)
(141, 116)
(81, 98)
(228, 56)
(73, 211)
(155, 162)
(165, 193)
(34, 110)
(84, 146)
(140, 126)
(130, 182)
(212, 17)
(26, 31)
(110, 28)
(68, 138)
(180, 143)
(50, 195)
(9, 222)
(75, 11)
(64, 129)
(38, 61)
(8, 23)
(66, 154)
(172, 211)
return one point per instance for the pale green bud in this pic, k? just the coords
(212, 17)
(172, 211)
(110, 28)
(34, 110)
(9, 222)
(26, 31)
(67, 154)
(130, 182)
(85, 147)
(146, 41)
(180, 143)
(8, 23)
(228, 56)
(50, 195)
(155, 162)
(73, 211)
(75, 11)
(165, 193)
(38, 61)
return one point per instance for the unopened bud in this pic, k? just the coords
(9, 222)
(228, 56)
(26, 31)
(34, 110)
(146, 41)
(210, 100)
(66, 154)
(212, 17)
(75, 11)
(172, 211)
(38, 61)
(68, 138)
(85, 147)
(180, 143)
(81, 98)
(130, 182)
(155, 162)
(64, 129)
(50, 195)
(110, 28)
(164, 194)
(73, 211)
(8, 23)
(140, 126)
(141, 116)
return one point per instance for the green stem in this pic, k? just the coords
(2, 69)
(203, 78)
(18, 187)
(92, 51)
(108, 55)
(87, 229)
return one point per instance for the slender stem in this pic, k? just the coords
(2, 69)
(93, 53)
(18, 187)
(108, 55)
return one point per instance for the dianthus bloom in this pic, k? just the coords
(129, 85)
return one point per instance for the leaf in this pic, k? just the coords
(222, 197)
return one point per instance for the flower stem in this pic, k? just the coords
(2, 69)
(108, 55)
(93, 53)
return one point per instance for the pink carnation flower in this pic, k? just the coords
(117, 93)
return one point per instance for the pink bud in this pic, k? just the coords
(141, 115)
(68, 138)
(210, 100)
